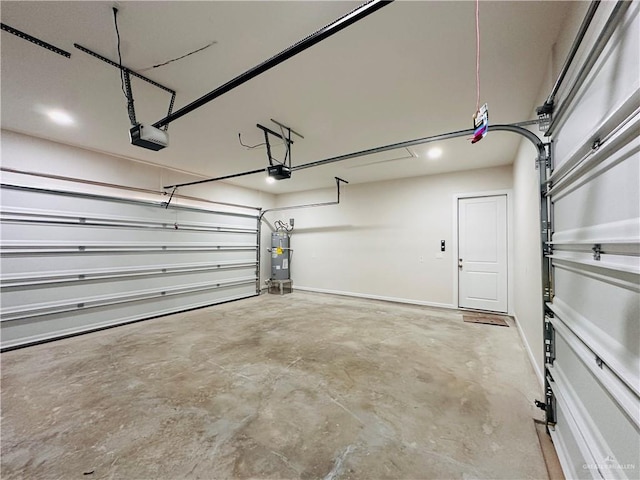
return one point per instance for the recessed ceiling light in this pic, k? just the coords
(271, 180)
(434, 152)
(60, 117)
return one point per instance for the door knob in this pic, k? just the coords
(460, 263)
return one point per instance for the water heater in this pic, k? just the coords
(280, 255)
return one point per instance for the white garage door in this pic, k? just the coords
(594, 339)
(73, 263)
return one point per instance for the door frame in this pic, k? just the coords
(454, 265)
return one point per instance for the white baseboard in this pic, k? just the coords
(532, 358)
(376, 297)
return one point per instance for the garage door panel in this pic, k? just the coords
(611, 433)
(47, 327)
(607, 198)
(89, 206)
(87, 262)
(572, 451)
(91, 260)
(605, 310)
(82, 235)
(593, 318)
(613, 80)
(42, 293)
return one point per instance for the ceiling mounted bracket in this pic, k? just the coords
(166, 204)
(130, 107)
(279, 170)
(285, 136)
(267, 131)
(34, 40)
(127, 72)
(171, 103)
(545, 115)
(338, 180)
(124, 69)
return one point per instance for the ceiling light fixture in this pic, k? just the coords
(434, 152)
(60, 117)
(271, 180)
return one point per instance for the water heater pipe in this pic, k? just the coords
(308, 205)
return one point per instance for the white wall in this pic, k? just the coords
(527, 295)
(26, 153)
(383, 239)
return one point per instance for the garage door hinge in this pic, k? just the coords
(597, 250)
(166, 204)
(549, 342)
(549, 404)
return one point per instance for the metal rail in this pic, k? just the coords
(603, 39)
(34, 40)
(557, 116)
(574, 49)
(513, 127)
(350, 18)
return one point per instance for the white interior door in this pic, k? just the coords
(482, 253)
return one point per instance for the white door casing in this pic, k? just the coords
(482, 253)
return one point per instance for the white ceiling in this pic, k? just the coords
(404, 72)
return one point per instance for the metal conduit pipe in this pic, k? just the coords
(334, 27)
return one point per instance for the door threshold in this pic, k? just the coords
(477, 310)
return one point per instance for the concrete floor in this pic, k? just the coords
(294, 386)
